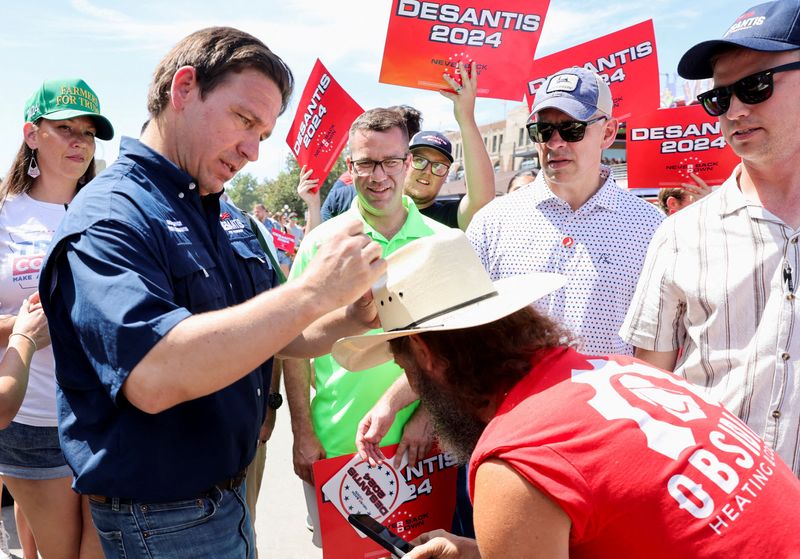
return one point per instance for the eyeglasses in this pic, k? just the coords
(569, 130)
(437, 168)
(751, 90)
(366, 167)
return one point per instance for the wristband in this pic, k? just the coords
(275, 400)
(26, 336)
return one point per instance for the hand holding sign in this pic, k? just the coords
(324, 115)
(308, 188)
(698, 189)
(464, 92)
(417, 438)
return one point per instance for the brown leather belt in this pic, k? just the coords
(226, 485)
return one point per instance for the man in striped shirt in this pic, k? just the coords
(720, 277)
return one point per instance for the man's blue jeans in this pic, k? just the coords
(216, 525)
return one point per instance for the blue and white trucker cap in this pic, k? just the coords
(575, 91)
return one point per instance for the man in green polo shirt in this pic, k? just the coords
(326, 427)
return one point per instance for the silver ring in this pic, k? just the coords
(458, 89)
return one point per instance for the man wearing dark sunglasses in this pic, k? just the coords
(720, 280)
(573, 219)
(432, 155)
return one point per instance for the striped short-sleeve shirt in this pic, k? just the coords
(600, 247)
(717, 283)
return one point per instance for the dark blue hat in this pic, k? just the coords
(774, 26)
(435, 140)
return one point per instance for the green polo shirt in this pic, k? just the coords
(343, 398)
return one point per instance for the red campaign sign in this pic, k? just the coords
(426, 39)
(627, 61)
(665, 145)
(320, 127)
(283, 241)
(409, 500)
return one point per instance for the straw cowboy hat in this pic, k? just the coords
(438, 283)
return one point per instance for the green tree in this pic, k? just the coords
(245, 190)
(282, 191)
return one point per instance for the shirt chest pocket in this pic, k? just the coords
(196, 281)
(254, 263)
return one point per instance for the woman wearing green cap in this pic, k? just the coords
(62, 120)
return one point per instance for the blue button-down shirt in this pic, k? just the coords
(139, 251)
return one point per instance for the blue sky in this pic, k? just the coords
(115, 46)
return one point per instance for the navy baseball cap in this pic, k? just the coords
(435, 140)
(575, 91)
(770, 27)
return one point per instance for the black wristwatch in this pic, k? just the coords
(275, 400)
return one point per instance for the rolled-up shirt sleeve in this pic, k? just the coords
(119, 297)
(655, 317)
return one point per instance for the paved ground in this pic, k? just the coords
(281, 513)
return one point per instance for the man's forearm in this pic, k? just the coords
(478, 172)
(197, 351)
(318, 338)
(399, 394)
(297, 381)
(207, 352)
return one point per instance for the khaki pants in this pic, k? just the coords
(313, 512)
(255, 473)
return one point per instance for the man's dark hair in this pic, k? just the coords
(215, 53)
(379, 120)
(412, 117)
(491, 358)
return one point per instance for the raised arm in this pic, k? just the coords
(478, 171)
(308, 190)
(204, 352)
(197, 350)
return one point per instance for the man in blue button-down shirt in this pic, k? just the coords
(162, 314)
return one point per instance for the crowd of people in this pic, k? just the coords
(613, 381)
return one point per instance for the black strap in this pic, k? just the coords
(448, 310)
(265, 247)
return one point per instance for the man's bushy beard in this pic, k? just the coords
(458, 429)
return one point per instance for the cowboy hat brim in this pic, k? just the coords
(357, 353)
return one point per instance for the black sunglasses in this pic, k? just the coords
(569, 130)
(752, 89)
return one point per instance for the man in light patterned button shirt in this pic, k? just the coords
(721, 276)
(573, 219)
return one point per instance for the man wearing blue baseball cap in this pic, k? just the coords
(720, 279)
(573, 219)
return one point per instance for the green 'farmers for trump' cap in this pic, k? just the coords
(68, 98)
